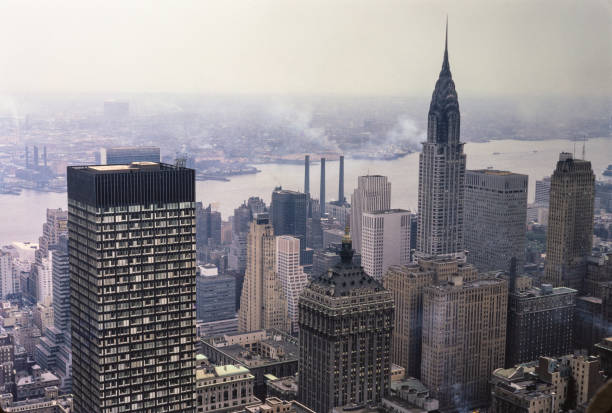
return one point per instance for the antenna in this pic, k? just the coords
(584, 147)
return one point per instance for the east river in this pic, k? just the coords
(22, 216)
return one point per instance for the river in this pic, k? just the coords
(22, 216)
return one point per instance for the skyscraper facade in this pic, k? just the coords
(540, 323)
(132, 283)
(124, 155)
(373, 193)
(385, 240)
(215, 296)
(464, 339)
(407, 284)
(262, 303)
(495, 215)
(208, 226)
(7, 274)
(542, 191)
(289, 213)
(61, 285)
(291, 274)
(346, 323)
(442, 173)
(569, 237)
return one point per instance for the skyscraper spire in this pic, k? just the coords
(445, 64)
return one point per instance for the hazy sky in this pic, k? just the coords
(308, 46)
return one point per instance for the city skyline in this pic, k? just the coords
(197, 262)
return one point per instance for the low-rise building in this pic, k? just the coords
(34, 385)
(262, 352)
(548, 385)
(221, 389)
(604, 350)
(276, 405)
(51, 402)
(284, 388)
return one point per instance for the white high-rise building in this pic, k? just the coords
(6, 274)
(385, 237)
(373, 193)
(45, 280)
(291, 274)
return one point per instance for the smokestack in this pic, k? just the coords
(27, 155)
(322, 196)
(341, 182)
(307, 174)
(35, 156)
(45, 156)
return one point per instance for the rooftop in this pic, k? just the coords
(131, 168)
(388, 211)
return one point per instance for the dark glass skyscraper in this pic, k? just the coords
(132, 283)
(289, 213)
(442, 172)
(346, 323)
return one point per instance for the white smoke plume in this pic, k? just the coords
(405, 134)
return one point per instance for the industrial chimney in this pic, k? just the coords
(307, 174)
(341, 182)
(322, 195)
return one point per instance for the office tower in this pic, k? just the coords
(56, 226)
(341, 182)
(132, 281)
(123, 155)
(385, 240)
(442, 172)
(44, 157)
(322, 191)
(494, 218)
(346, 323)
(7, 274)
(53, 353)
(291, 274)
(289, 213)
(407, 283)
(307, 174)
(7, 362)
(44, 280)
(464, 339)
(208, 226)
(215, 295)
(240, 227)
(35, 156)
(27, 157)
(373, 193)
(570, 222)
(256, 205)
(61, 285)
(262, 304)
(540, 322)
(542, 191)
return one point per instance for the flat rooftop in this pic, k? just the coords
(126, 168)
(492, 172)
(388, 211)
